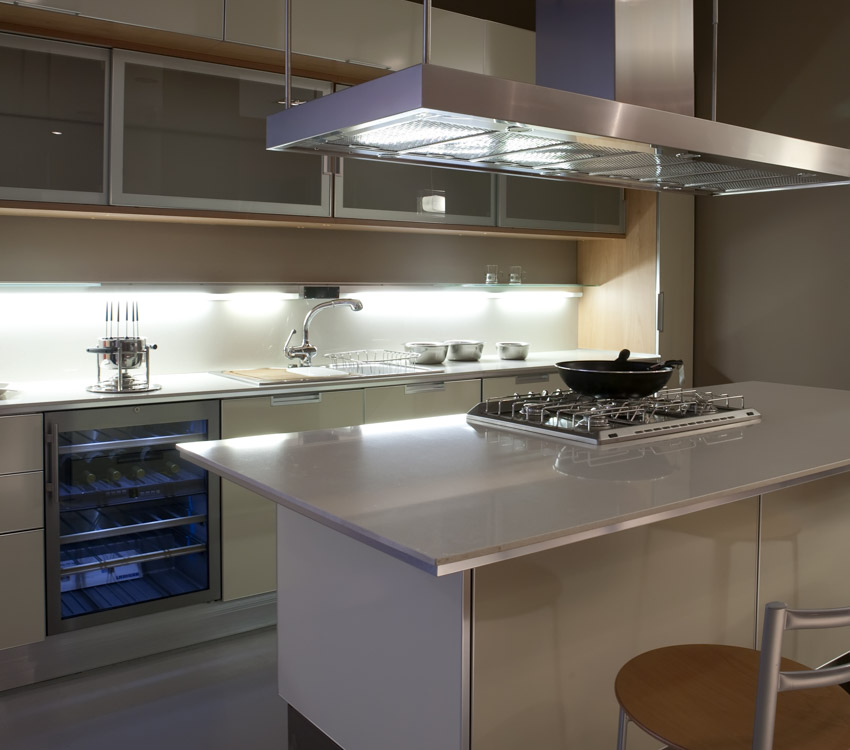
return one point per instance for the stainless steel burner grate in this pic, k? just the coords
(566, 414)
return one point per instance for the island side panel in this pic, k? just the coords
(371, 650)
(551, 630)
(805, 559)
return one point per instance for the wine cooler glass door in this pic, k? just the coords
(132, 528)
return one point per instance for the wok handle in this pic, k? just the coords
(668, 363)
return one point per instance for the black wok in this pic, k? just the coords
(617, 378)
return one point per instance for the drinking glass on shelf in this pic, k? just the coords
(516, 275)
(492, 276)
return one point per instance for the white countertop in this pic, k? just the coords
(446, 496)
(50, 395)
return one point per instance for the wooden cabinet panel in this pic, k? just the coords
(389, 403)
(22, 594)
(619, 309)
(248, 536)
(552, 629)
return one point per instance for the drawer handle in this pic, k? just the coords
(409, 390)
(298, 398)
(538, 378)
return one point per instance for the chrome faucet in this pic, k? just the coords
(305, 350)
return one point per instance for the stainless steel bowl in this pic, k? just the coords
(124, 351)
(430, 352)
(512, 349)
(465, 351)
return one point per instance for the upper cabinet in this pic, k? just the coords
(532, 202)
(188, 134)
(194, 17)
(403, 192)
(53, 120)
(384, 33)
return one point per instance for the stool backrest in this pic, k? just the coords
(777, 619)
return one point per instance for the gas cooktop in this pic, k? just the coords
(571, 416)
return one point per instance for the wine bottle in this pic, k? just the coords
(134, 471)
(103, 468)
(80, 473)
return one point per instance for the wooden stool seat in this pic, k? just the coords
(702, 697)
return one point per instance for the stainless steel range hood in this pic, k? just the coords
(442, 116)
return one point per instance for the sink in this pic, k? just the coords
(317, 372)
(283, 375)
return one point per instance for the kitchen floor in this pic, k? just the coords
(219, 695)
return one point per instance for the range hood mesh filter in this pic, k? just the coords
(487, 145)
(407, 136)
(621, 161)
(752, 179)
(565, 152)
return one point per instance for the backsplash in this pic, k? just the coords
(44, 334)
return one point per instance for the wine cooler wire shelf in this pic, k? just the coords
(111, 595)
(131, 549)
(130, 437)
(100, 523)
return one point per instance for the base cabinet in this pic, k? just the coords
(552, 629)
(248, 538)
(804, 558)
(388, 403)
(23, 592)
(21, 531)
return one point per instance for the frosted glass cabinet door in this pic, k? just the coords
(405, 192)
(530, 202)
(52, 115)
(192, 135)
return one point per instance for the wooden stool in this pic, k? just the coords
(713, 697)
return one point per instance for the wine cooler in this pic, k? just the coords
(131, 528)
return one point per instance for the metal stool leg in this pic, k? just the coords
(621, 731)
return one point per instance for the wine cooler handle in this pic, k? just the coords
(52, 465)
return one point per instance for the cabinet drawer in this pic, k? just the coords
(294, 412)
(22, 594)
(21, 501)
(21, 444)
(498, 387)
(393, 402)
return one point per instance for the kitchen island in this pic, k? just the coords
(442, 584)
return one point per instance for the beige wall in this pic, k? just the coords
(772, 270)
(83, 249)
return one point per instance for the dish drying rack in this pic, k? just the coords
(375, 362)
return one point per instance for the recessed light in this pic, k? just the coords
(55, 132)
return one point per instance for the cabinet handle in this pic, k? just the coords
(52, 464)
(536, 378)
(409, 390)
(332, 166)
(298, 398)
